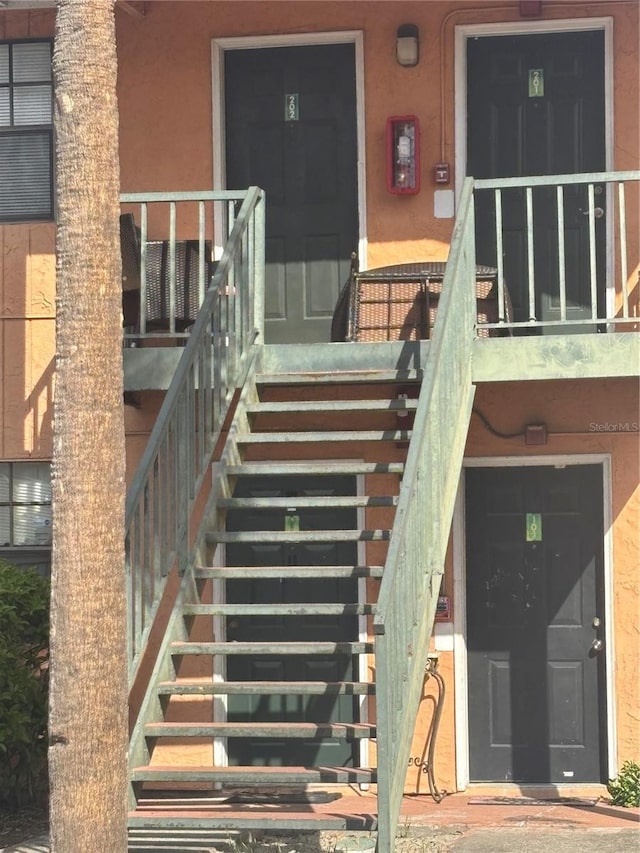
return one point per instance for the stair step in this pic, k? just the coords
(320, 501)
(241, 775)
(346, 731)
(285, 469)
(324, 437)
(158, 828)
(217, 536)
(286, 648)
(297, 609)
(341, 377)
(264, 688)
(253, 572)
(382, 405)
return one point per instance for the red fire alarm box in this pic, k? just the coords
(403, 155)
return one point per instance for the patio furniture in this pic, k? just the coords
(187, 294)
(400, 302)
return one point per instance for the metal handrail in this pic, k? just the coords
(414, 567)
(178, 454)
(602, 194)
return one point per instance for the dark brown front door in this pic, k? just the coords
(309, 628)
(291, 129)
(536, 107)
(535, 623)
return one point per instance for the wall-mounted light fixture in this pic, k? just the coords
(407, 45)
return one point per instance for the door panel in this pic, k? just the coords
(535, 709)
(306, 161)
(513, 132)
(321, 708)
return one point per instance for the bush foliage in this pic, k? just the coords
(625, 788)
(24, 656)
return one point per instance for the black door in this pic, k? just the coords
(534, 612)
(536, 107)
(291, 129)
(313, 708)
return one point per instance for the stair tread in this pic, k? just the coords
(324, 436)
(272, 729)
(306, 501)
(267, 648)
(274, 688)
(238, 773)
(319, 405)
(251, 572)
(297, 609)
(285, 468)
(340, 377)
(333, 535)
(161, 825)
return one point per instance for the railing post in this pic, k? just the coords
(258, 262)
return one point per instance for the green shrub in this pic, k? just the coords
(24, 656)
(625, 788)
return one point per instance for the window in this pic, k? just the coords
(26, 131)
(25, 513)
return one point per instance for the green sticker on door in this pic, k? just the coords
(291, 521)
(534, 527)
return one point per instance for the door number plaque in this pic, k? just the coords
(534, 527)
(536, 82)
(291, 107)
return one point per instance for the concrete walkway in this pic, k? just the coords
(476, 824)
(546, 840)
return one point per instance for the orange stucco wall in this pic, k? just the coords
(583, 417)
(165, 100)
(165, 97)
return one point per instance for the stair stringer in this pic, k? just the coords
(396, 714)
(415, 561)
(164, 670)
(150, 709)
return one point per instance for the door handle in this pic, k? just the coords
(596, 646)
(598, 212)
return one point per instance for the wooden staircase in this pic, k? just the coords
(266, 676)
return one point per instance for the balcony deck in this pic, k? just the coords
(588, 356)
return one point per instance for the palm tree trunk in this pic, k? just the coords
(88, 688)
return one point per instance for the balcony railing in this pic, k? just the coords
(565, 248)
(179, 451)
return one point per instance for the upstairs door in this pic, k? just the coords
(535, 106)
(291, 129)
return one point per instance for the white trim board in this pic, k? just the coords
(466, 31)
(461, 713)
(218, 48)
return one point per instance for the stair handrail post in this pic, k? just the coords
(406, 606)
(259, 267)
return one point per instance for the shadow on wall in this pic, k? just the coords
(40, 412)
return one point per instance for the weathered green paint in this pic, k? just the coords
(415, 561)
(299, 536)
(179, 449)
(242, 573)
(279, 609)
(265, 688)
(284, 648)
(556, 357)
(271, 730)
(255, 776)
